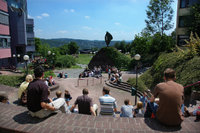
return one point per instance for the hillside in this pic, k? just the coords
(83, 44)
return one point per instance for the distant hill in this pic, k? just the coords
(83, 44)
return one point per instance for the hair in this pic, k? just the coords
(85, 91)
(169, 73)
(29, 78)
(139, 104)
(38, 71)
(58, 94)
(106, 90)
(66, 91)
(126, 101)
(3, 96)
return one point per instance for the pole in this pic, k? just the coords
(136, 85)
(26, 68)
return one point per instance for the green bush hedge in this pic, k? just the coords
(187, 70)
(65, 61)
(13, 81)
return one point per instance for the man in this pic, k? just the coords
(85, 104)
(108, 103)
(170, 96)
(37, 97)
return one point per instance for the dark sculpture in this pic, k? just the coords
(108, 38)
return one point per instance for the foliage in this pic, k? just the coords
(187, 69)
(123, 46)
(194, 45)
(13, 81)
(141, 85)
(72, 48)
(84, 58)
(159, 16)
(120, 60)
(63, 50)
(194, 21)
(65, 61)
(49, 73)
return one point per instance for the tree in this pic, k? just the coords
(37, 44)
(63, 49)
(159, 16)
(194, 22)
(73, 48)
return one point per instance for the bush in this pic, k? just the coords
(141, 85)
(13, 81)
(49, 73)
(65, 61)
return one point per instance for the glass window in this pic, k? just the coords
(30, 42)
(29, 28)
(4, 42)
(184, 21)
(184, 3)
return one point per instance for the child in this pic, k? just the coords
(127, 109)
(67, 97)
(58, 94)
(138, 111)
(151, 108)
(144, 99)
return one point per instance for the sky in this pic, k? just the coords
(89, 19)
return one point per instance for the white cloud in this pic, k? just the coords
(62, 31)
(86, 28)
(69, 10)
(45, 15)
(117, 23)
(38, 17)
(87, 17)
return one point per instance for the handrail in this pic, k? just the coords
(192, 84)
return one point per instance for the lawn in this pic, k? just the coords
(84, 58)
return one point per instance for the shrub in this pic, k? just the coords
(49, 73)
(65, 61)
(141, 85)
(13, 81)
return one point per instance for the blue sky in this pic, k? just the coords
(89, 19)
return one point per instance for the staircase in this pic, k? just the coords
(122, 86)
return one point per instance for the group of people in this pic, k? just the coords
(96, 72)
(166, 103)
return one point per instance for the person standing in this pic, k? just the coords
(108, 103)
(37, 97)
(171, 98)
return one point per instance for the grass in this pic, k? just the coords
(11, 80)
(84, 58)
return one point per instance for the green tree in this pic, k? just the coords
(117, 45)
(64, 49)
(159, 16)
(37, 44)
(194, 22)
(73, 48)
(122, 46)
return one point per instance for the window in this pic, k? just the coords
(29, 28)
(30, 42)
(181, 39)
(4, 42)
(184, 21)
(187, 3)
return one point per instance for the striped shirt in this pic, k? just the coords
(108, 104)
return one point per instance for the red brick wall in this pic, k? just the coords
(3, 6)
(4, 30)
(5, 52)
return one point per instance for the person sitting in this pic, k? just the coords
(127, 109)
(85, 104)
(151, 108)
(144, 99)
(22, 90)
(58, 95)
(108, 103)
(138, 111)
(67, 96)
(51, 81)
(3, 97)
(195, 112)
(38, 105)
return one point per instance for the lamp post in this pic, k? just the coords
(137, 58)
(26, 58)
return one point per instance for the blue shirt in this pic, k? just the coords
(126, 111)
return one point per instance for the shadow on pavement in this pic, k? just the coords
(155, 125)
(26, 118)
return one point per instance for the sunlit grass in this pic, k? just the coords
(84, 58)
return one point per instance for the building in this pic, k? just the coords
(183, 14)
(5, 49)
(21, 29)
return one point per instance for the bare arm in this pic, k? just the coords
(73, 107)
(92, 111)
(47, 106)
(115, 109)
